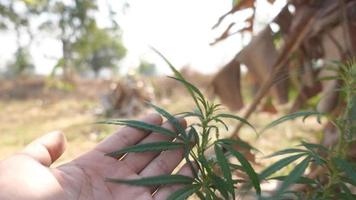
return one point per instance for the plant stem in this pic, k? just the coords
(343, 125)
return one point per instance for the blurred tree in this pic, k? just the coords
(14, 17)
(146, 68)
(85, 45)
(98, 48)
(22, 64)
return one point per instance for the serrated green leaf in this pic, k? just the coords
(248, 168)
(287, 151)
(154, 180)
(300, 180)
(194, 134)
(238, 143)
(216, 107)
(189, 114)
(192, 140)
(173, 120)
(142, 125)
(317, 159)
(312, 146)
(292, 116)
(294, 175)
(235, 117)
(200, 195)
(213, 127)
(223, 123)
(154, 146)
(279, 165)
(224, 166)
(193, 88)
(177, 74)
(175, 71)
(347, 193)
(346, 167)
(206, 165)
(220, 185)
(211, 195)
(234, 166)
(314, 153)
(184, 193)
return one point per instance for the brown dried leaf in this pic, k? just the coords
(226, 84)
(224, 35)
(243, 4)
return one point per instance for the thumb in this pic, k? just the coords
(47, 148)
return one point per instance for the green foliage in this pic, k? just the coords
(279, 165)
(230, 116)
(155, 180)
(146, 68)
(247, 168)
(184, 193)
(304, 114)
(214, 174)
(143, 126)
(97, 48)
(293, 176)
(348, 169)
(337, 171)
(17, 21)
(147, 147)
(22, 63)
(85, 45)
(196, 139)
(225, 168)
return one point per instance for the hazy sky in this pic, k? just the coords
(180, 29)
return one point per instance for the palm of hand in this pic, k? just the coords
(84, 177)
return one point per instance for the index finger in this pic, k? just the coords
(127, 136)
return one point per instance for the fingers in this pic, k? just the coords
(127, 136)
(165, 163)
(47, 148)
(165, 191)
(138, 161)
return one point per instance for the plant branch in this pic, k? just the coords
(290, 46)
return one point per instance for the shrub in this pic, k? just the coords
(213, 174)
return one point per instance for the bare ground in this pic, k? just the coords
(30, 108)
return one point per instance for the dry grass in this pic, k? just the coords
(23, 120)
(29, 109)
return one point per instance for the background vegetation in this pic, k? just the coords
(290, 68)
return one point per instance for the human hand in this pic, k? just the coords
(27, 175)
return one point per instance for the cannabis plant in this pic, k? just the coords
(335, 169)
(212, 174)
